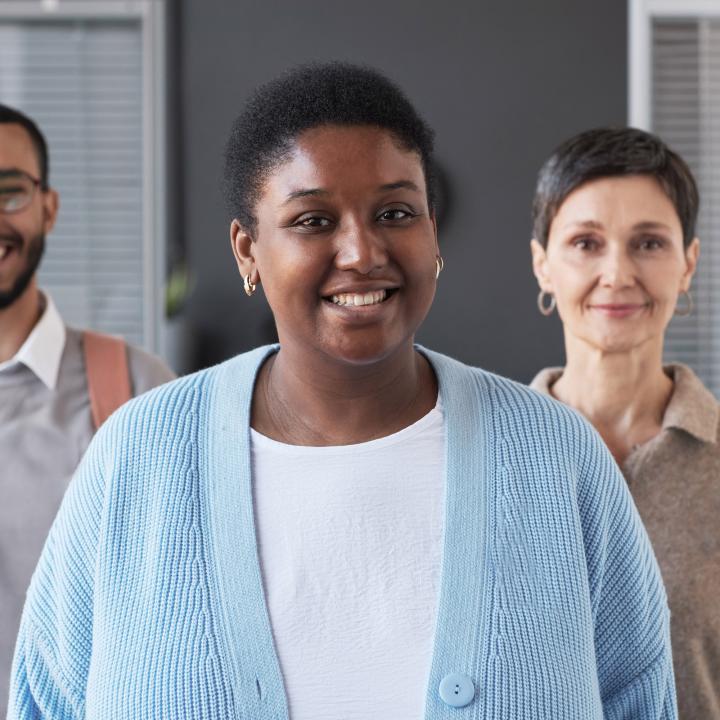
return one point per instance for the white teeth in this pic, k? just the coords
(371, 298)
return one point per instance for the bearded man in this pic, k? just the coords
(49, 397)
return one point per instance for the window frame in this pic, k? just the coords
(641, 14)
(152, 15)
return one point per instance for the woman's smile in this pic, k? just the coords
(359, 300)
(362, 308)
(618, 310)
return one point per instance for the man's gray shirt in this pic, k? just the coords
(43, 435)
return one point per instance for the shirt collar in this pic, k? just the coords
(545, 379)
(43, 348)
(692, 407)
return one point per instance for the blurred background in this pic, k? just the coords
(137, 98)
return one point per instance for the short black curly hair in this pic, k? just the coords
(610, 152)
(306, 97)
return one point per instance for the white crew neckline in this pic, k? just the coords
(263, 441)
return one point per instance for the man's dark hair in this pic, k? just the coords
(8, 116)
(611, 152)
(306, 97)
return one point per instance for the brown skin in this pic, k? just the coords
(17, 320)
(347, 213)
(616, 264)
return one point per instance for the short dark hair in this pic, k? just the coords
(610, 152)
(306, 97)
(9, 116)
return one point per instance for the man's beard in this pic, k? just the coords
(35, 250)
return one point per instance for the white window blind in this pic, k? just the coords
(685, 112)
(82, 81)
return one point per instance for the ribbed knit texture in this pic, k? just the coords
(148, 599)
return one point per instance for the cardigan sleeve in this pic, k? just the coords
(53, 649)
(631, 616)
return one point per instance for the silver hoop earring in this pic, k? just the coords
(689, 304)
(439, 265)
(546, 309)
(249, 286)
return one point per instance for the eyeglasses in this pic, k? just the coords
(17, 190)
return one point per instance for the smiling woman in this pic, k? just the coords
(345, 524)
(615, 246)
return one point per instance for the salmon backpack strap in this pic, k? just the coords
(108, 377)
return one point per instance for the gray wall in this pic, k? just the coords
(502, 83)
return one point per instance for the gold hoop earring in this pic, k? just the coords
(544, 308)
(689, 305)
(249, 286)
(439, 265)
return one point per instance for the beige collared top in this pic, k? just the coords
(675, 482)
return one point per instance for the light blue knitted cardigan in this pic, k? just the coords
(148, 601)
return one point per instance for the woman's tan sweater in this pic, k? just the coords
(675, 482)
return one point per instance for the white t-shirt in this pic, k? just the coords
(350, 541)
